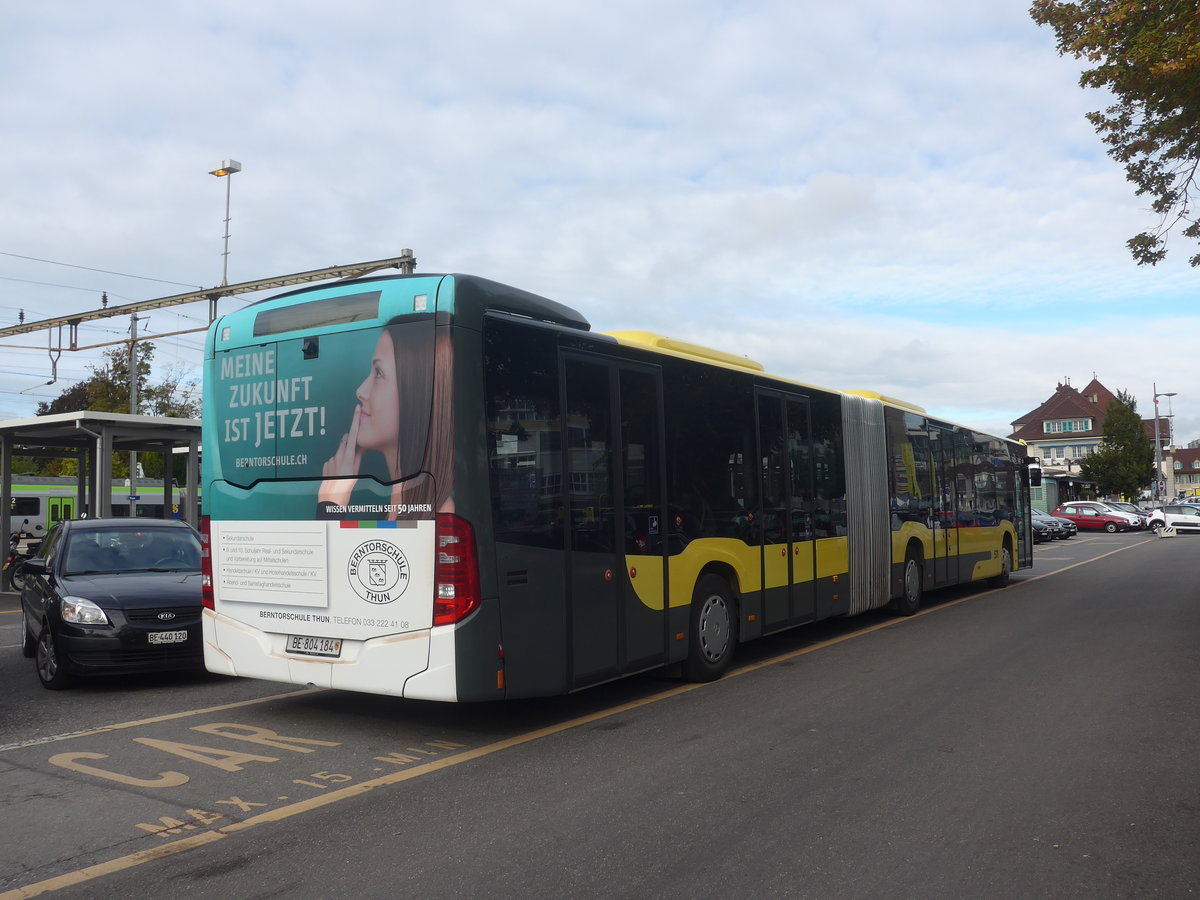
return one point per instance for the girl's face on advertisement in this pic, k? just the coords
(379, 399)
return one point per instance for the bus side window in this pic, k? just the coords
(524, 434)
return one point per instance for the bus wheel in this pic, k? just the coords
(999, 581)
(713, 632)
(914, 575)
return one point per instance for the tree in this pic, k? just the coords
(1124, 463)
(1148, 55)
(107, 390)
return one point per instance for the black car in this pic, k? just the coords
(110, 596)
(1042, 531)
(1060, 529)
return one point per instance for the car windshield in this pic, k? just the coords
(149, 549)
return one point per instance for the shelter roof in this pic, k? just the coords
(81, 429)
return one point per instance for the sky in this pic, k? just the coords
(902, 197)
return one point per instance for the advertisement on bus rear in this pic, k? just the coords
(344, 419)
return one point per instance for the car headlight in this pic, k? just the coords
(81, 611)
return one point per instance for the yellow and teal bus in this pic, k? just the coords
(441, 487)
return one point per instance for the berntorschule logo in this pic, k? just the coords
(378, 571)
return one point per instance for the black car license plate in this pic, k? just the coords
(168, 637)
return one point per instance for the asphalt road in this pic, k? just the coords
(1037, 741)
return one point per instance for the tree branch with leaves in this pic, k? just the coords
(1148, 55)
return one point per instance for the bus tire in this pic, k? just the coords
(909, 602)
(1001, 580)
(713, 630)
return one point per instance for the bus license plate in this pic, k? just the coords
(168, 637)
(314, 646)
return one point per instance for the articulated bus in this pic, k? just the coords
(440, 487)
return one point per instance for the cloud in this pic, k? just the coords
(903, 197)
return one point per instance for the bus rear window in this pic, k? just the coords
(318, 314)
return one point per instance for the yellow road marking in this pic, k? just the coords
(120, 726)
(293, 809)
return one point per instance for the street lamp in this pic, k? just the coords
(227, 168)
(1159, 480)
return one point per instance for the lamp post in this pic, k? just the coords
(227, 168)
(1159, 479)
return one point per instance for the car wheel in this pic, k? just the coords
(1156, 527)
(49, 668)
(713, 630)
(914, 580)
(1110, 527)
(28, 642)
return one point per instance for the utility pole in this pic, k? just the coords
(133, 408)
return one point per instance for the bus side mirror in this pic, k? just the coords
(1035, 476)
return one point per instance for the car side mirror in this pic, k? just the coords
(34, 567)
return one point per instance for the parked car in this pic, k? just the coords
(108, 596)
(1062, 529)
(1092, 516)
(1041, 531)
(1129, 509)
(1182, 516)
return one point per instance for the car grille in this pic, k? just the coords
(175, 654)
(149, 617)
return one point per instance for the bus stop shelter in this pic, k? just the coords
(91, 438)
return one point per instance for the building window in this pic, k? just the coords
(1066, 426)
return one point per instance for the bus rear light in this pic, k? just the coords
(456, 573)
(206, 581)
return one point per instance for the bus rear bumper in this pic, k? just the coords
(418, 664)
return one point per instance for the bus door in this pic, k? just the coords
(785, 519)
(616, 526)
(59, 508)
(945, 512)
